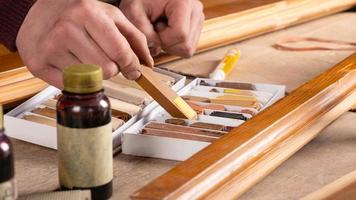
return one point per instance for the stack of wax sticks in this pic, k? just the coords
(126, 97)
(220, 105)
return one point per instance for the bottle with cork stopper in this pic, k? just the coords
(84, 134)
(7, 172)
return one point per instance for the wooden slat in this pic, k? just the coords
(15, 75)
(20, 90)
(219, 170)
(230, 21)
(258, 18)
(343, 188)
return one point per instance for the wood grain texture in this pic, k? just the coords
(234, 20)
(258, 17)
(15, 75)
(343, 188)
(229, 158)
(20, 90)
(164, 95)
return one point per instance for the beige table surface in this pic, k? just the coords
(326, 158)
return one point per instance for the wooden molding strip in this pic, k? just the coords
(230, 21)
(14, 75)
(263, 18)
(342, 189)
(227, 167)
(20, 90)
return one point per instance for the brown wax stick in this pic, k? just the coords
(195, 98)
(209, 106)
(246, 111)
(197, 108)
(184, 129)
(121, 115)
(178, 135)
(241, 86)
(164, 95)
(45, 111)
(210, 126)
(176, 121)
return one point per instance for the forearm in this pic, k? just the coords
(12, 14)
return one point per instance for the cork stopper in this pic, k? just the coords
(82, 78)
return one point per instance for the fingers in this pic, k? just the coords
(62, 60)
(135, 12)
(180, 37)
(51, 75)
(105, 33)
(178, 14)
(87, 51)
(135, 37)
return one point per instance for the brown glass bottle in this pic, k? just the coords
(7, 181)
(84, 119)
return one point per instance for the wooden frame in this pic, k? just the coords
(227, 21)
(341, 189)
(233, 164)
(235, 20)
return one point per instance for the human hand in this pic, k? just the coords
(179, 35)
(56, 34)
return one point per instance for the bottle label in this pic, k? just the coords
(8, 190)
(85, 156)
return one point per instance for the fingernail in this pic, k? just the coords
(152, 62)
(133, 75)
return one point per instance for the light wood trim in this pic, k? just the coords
(215, 171)
(264, 18)
(226, 24)
(20, 90)
(342, 189)
(15, 75)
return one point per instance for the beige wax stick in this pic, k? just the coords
(40, 120)
(237, 97)
(52, 103)
(116, 123)
(124, 106)
(51, 113)
(120, 79)
(165, 78)
(195, 98)
(124, 93)
(164, 95)
(234, 102)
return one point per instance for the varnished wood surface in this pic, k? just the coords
(214, 172)
(36, 166)
(229, 21)
(213, 8)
